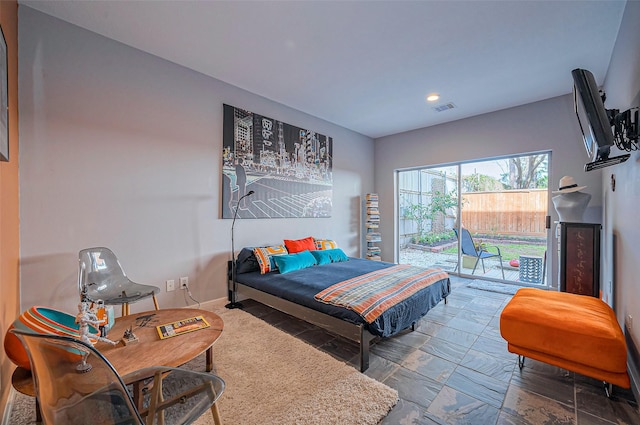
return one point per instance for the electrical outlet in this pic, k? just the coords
(630, 322)
(171, 285)
(184, 282)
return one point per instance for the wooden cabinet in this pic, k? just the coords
(579, 258)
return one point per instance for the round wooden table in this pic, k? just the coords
(149, 350)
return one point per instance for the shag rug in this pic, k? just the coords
(274, 378)
(486, 285)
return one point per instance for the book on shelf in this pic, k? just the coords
(181, 327)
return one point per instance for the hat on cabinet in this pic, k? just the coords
(568, 185)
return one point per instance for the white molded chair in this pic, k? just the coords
(101, 277)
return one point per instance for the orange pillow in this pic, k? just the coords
(299, 245)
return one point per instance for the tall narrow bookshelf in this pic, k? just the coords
(372, 226)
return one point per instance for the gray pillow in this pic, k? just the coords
(247, 261)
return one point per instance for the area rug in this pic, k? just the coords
(274, 378)
(487, 285)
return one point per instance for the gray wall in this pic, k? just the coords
(122, 149)
(546, 126)
(621, 262)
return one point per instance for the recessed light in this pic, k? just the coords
(433, 97)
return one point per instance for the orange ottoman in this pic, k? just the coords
(575, 332)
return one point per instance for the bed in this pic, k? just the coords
(296, 293)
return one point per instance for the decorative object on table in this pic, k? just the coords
(4, 100)
(85, 318)
(42, 320)
(514, 263)
(129, 337)
(234, 266)
(293, 166)
(101, 277)
(570, 203)
(182, 327)
(175, 395)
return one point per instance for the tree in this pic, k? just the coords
(480, 183)
(525, 172)
(439, 203)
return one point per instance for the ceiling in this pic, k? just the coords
(368, 65)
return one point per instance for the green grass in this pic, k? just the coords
(510, 251)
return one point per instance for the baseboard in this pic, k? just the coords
(633, 363)
(209, 305)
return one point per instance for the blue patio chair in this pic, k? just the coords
(469, 248)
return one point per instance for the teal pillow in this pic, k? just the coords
(327, 256)
(297, 261)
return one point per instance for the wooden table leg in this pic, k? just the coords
(138, 397)
(209, 355)
(38, 413)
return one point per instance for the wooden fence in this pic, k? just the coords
(510, 212)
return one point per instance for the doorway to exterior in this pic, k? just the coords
(483, 219)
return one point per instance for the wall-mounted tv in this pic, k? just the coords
(594, 121)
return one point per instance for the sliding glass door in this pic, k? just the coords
(498, 208)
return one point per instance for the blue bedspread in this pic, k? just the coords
(301, 286)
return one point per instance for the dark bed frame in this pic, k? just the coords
(352, 331)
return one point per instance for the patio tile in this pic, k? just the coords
(430, 366)
(478, 385)
(445, 349)
(533, 409)
(495, 367)
(413, 387)
(454, 407)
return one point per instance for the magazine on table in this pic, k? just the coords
(182, 327)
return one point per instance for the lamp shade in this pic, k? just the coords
(42, 320)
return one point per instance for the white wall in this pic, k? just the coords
(548, 125)
(122, 149)
(621, 208)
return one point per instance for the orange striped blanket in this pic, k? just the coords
(373, 293)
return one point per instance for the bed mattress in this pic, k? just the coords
(301, 286)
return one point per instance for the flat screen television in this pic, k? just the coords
(597, 132)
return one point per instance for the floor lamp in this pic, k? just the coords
(232, 294)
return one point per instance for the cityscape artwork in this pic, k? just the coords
(287, 168)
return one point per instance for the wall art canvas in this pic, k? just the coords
(288, 168)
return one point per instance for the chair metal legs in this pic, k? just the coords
(483, 269)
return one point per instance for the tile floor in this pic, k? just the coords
(455, 369)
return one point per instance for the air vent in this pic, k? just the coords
(444, 107)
